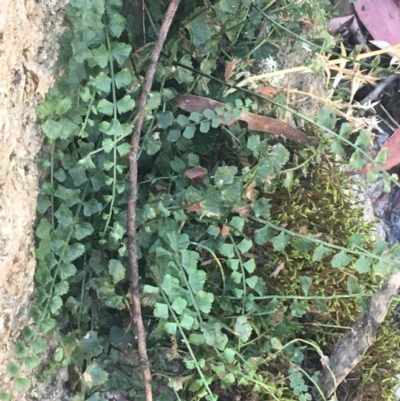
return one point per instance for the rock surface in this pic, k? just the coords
(29, 32)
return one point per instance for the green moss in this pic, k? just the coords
(321, 206)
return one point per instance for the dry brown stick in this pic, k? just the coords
(354, 345)
(136, 313)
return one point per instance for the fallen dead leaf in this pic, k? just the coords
(199, 104)
(224, 230)
(195, 173)
(194, 208)
(381, 18)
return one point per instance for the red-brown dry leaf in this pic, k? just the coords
(381, 18)
(191, 103)
(195, 173)
(194, 208)
(224, 230)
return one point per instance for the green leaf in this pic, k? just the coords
(327, 118)
(243, 328)
(225, 175)
(67, 270)
(161, 311)
(250, 265)
(31, 361)
(120, 51)
(178, 242)
(261, 208)
(80, 51)
(182, 75)
(55, 304)
(38, 345)
(125, 104)
(117, 270)
(82, 230)
(92, 207)
(280, 241)
(199, 29)
(102, 83)
(382, 156)
(298, 308)
(182, 120)
(237, 223)
(227, 250)
(73, 252)
(305, 283)
(44, 228)
(105, 107)
(94, 376)
(22, 384)
(356, 160)
(263, 235)
(252, 281)
(213, 335)
(196, 117)
(123, 78)
(320, 252)
(21, 348)
(61, 288)
(100, 56)
(69, 196)
(116, 25)
(5, 396)
(171, 328)
(341, 259)
(63, 106)
(58, 355)
(352, 285)
(187, 321)
(13, 368)
(46, 325)
(179, 305)
(380, 246)
(91, 345)
(204, 127)
(364, 139)
(189, 131)
(204, 301)
(43, 204)
(245, 245)
(197, 279)
(383, 268)
(363, 264)
(165, 119)
(173, 135)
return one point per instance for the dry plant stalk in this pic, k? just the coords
(136, 313)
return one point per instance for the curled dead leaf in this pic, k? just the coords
(194, 208)
(224, 230)
(195, 173)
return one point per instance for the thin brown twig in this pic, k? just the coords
(136, 313)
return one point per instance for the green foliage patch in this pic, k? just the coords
(253, 257)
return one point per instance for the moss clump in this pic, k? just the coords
(320, 206)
